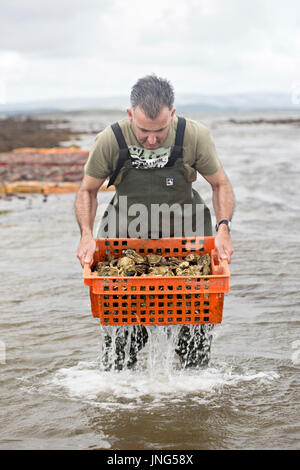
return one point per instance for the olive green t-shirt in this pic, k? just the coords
(199, 151)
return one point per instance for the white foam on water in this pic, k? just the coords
(87, 382)
(295, 357)
(157, 377)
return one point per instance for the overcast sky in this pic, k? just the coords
(72, 48)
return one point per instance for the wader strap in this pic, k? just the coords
(123, 155)
(177, 149)
(124, 152)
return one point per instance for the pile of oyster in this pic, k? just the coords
(133, 264)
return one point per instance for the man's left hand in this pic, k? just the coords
(223, 243)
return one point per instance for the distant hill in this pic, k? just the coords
(238, 102)
(184, 102)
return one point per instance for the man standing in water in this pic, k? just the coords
(152, 158)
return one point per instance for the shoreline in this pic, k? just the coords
(57, 170)
(42, 170)
(32, 159)
(265, 121)
(42, 187)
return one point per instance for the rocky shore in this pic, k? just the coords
(56, 164)
(32, 160)
(31, 170)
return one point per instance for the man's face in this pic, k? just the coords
(151, 132)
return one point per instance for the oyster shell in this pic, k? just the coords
(101, 264)
(206, 270)
(205, 263)
(134, 264)
(102, 268)
(192, 258)
(141, 268)
(205, 259)
(130, 253)
(126, 266)
(184, 265)
(193, 270)
(160, 271)
(109, 257)
(125, 262)
(114, 262)
(107, 271)
(179, 272)
(173, 260)
(153, 259)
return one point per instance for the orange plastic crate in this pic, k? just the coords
(158, 300)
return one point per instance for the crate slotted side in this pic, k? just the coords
(158, 300)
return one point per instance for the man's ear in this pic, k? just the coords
(173, 113)
(130, 114)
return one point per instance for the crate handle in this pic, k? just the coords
(223, 267)
(86, 270)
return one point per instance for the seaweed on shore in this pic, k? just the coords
(24, 131)
(5, 211)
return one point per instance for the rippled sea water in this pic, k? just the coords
(54, 394)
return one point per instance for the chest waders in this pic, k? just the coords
(170, 206)
(168, 189)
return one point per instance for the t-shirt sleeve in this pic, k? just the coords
(103, 155)
(207, 160)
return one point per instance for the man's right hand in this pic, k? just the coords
(85, 209)
(86, 250)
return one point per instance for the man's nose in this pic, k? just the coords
(152, 139)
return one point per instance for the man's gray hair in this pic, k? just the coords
(151, 94)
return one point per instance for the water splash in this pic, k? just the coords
(128, 388)
(157, 375)
(155, 347)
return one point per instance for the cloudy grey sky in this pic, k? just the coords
(73, 48)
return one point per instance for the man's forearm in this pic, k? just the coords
(85, 210)
(223, 201)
